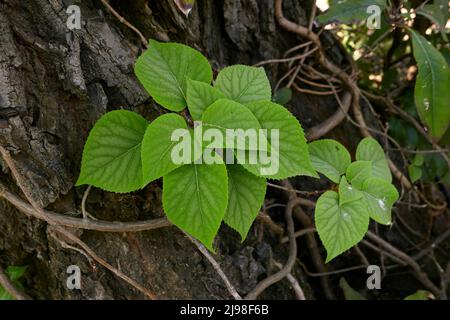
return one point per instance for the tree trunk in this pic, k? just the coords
(55, 83)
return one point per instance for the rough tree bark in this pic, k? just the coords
(55, 83)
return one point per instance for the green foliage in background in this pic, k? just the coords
(14, 273)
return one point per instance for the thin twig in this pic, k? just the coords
(307, 193)
(313, 92)
(299, 233)
(267, 220)
(382, 252)
(421, 276)
(322, 59)
(39, 212)
(332, 122)
(294, 283)
(274, 278)
(313, 246)
(407, 117)
(86, 215)
(298, 57)
(298, 47)
(331, 273)
(433, 245)
(125, 22)
(216, 267)
(316, 84)
(365, 131)
(86, 224)
(70, 236)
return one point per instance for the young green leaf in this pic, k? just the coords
(14, 273)
(163, 70)
(349, 292)
(195, 198)
(282, 96)
(418, 160)
(244, 83)
(112, 153)
(245, 196)
(157, 146)
(228, 114)
(292, 157)
(380, 196)
(200, 96)
(347, 193)
(349, 11)
(340, 227)
(415, 169)
(358, 172)
(415, 173)
(419, 295)
(5, 296)
(431, 93)
(330, 158)
(370, 150)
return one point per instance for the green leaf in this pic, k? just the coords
(291, 157)
(418, 160)
(5, 296)
(419, 295)
(244, 84)
(349, 292)
(195, 198)
(437, 13)
(358, 172)
(112, 154)
(380, 196)
(163, 70)
(157, 146)
(340, 227)
(245, 196)
(404, 132)
(415, 173)
(16, 272)
(347, 193)
(228, 114)
(282, 96)
(349, 11)
(370, 150)
(415, 169)
(200, 96)
(330, 158)
(432, 95)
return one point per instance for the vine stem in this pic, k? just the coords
(286, 269)
(125, 22)
(354, 90)
(216, 267)
(311, 239)
(294, 283)
(421, 276)
(85, 224)
(54, 226)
